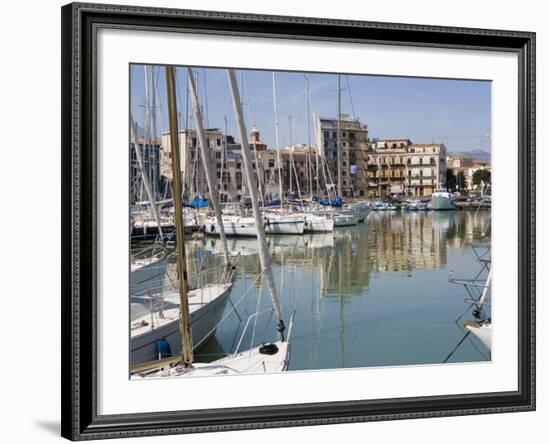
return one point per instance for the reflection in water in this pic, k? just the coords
(370, 295)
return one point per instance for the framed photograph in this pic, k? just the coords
(276, 221)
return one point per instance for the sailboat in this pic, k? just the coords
(147, 270)
(268, 357)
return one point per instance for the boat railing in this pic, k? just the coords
(252, 316)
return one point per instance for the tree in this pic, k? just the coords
(461, 181)
(482, 175)
(450, 180)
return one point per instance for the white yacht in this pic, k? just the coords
(442, 200)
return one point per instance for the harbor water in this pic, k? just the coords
(375, 294)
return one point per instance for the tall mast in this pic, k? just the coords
(144, 178)
(291, 157)
(152, 157)
(277, 140)
(185, 329)
(308, 140)
(265, 258)
(205, 161)
(338, 144)
(323, 162)
(258, 175)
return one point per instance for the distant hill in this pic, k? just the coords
(475, 154)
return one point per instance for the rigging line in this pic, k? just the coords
(260, 179)
(351, 98)
(205, 98)
(226, 315)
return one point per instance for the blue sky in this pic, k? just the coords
(455, 112)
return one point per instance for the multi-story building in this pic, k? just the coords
(378, 167)
(224, 155)
(426, 168)
(353, 142)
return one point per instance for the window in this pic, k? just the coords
(238, 166)
(218, 165)
(218, 142)
(343, 134)
(218, 155)
(194, 141)
(326, 134)
(351, 135)
(334, 135)
(271, 164)
(421, 161)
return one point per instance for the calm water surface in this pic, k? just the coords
(376, 294)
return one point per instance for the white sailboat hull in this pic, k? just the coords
(362, 211)
(442, 203)
(483, 332)
(345, 220)
(246, 362)
(147, 274)
(318, 224)
(246, 227)
(206, 308)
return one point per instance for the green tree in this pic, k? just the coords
(450, 180)
(461, 181)
(482, 175)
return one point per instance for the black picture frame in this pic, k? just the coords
(80, 22)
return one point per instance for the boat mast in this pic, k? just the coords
(259, 176)
(185, 329)
(338, 143)
(265, 258)
(145, 180)
(291, 157)
(310, 182)
(277, 141)
(206, 164)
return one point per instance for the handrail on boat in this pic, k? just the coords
(252, 316)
